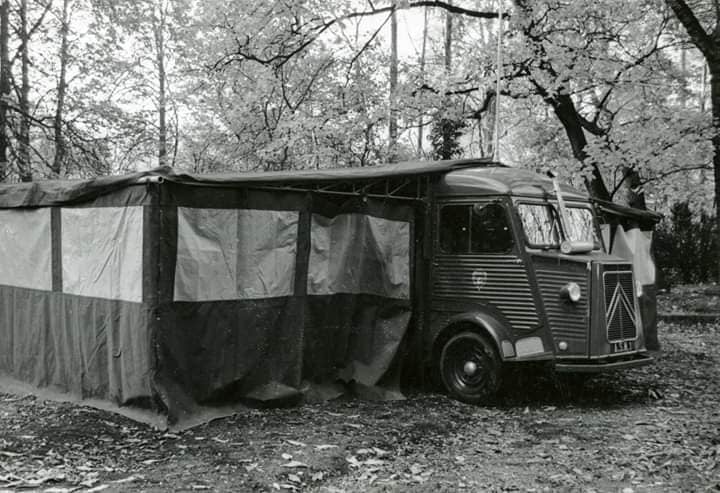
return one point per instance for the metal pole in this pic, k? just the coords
(496, 144)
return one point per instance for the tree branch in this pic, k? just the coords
(697, 34)
(31, 31)
(367, 43)
(660, 176)
(279, 59)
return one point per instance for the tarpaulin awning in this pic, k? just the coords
(56, 192)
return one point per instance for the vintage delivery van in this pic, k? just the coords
(183, 292)
(518, 272)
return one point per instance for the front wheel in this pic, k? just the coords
(470, 368)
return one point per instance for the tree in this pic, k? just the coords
(151, 35)
(423, 54)
(445, 138)
(695, 16)
(159, 25)
(4, 86)
(60, 150)
(393, 121)
(24, 166)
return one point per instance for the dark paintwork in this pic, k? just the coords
(567, 321)
(524, 286)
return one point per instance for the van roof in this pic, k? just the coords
(502, 180)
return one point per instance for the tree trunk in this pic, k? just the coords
(162, 100)
(60, 149)
(715, 103)
(392, 127)
(447, 132)
(423, 53)
(4, 87)
(566, 112)
(24, 165)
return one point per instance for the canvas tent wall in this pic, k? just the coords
(177, 292)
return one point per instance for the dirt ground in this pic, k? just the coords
(650, 429)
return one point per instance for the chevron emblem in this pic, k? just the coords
(620, 301)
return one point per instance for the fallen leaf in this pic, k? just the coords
(373, 462)
(10, 454)
(295, 463)
(98, 488)
(129, 479)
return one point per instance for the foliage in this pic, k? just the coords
(445, 138)
(600, 91)
(686, 247)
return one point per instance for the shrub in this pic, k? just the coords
(686, 250)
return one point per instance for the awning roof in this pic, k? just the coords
(640, 215)
(461, 176)
(397, 170)
(56, 192)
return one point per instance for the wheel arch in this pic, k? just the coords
(478, 322)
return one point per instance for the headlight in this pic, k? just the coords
(571, 291)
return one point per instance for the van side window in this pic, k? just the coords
(479, 228)
(491, 231)
(455, 228)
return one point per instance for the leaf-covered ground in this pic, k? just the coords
(703, 298)
(650, 429)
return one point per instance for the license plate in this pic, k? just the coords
(622, 347)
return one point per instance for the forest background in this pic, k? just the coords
(617, 96)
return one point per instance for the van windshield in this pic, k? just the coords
(541, 223)
(580, 225)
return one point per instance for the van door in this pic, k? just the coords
(477, 261)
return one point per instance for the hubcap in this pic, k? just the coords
(468, 368)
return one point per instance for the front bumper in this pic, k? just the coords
(585, 366)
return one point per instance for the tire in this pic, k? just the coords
(470, 368)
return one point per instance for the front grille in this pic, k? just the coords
(620, 312)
